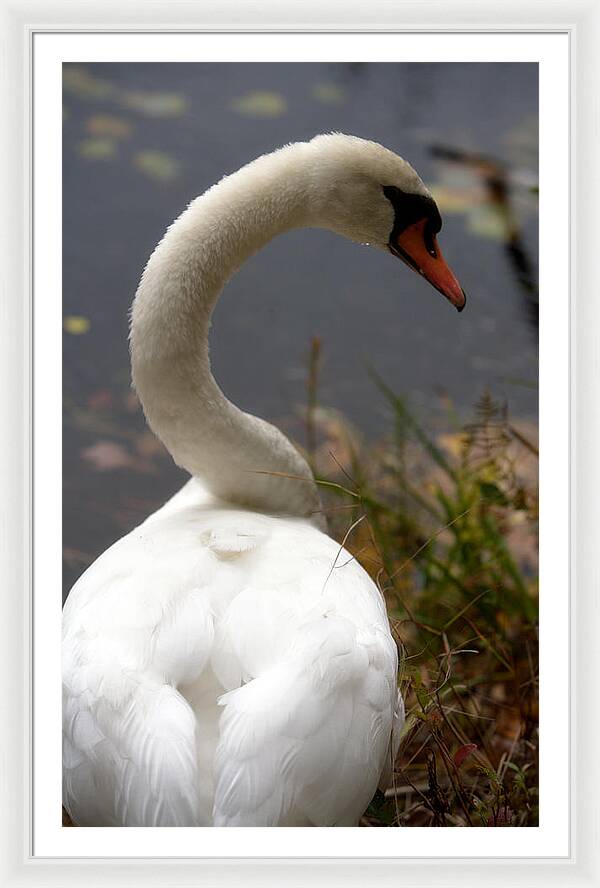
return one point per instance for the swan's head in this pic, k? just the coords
(367, 193)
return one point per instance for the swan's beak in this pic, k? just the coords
(421, 252)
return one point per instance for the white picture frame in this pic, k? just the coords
(19, 22)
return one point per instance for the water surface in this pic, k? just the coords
(141, 140)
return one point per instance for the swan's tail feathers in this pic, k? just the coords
(304, 742)
(131, 765)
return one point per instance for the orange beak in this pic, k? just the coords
(420, 250)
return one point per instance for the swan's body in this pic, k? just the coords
(226, 662)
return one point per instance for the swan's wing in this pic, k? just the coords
(304, 742)
(133, 764)
(129, 637)
(139, 624)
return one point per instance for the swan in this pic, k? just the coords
(220, 668)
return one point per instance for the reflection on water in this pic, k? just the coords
(141, 140)
(498, 197)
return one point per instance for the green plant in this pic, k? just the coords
(447, 527)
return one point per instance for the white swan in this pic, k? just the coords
(217, 669)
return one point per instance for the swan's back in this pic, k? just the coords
(225, 667)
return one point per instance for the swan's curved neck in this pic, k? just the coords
(229, 450)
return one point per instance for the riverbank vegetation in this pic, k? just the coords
(446, 525)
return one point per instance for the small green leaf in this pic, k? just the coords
(492, 494)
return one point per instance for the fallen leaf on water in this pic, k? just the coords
(156, 104)
(328, 93)
(157, 165)
(105, 456)
(78, 81)
(100, 400)
(76, 324)
(482, 218)
(97, 149)
(488, 222)
(109, 126)
(260, 104)
(455, 200)
(75, 557)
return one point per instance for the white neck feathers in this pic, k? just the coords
(229, 450)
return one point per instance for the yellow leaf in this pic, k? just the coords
(453, 444)
(79, 81)
(76, 324)
(156, 165)
(328, 93)
(453, 200)
(489, 223)
(156, 104)
(108, 126)
(97, 149)
(260, 104)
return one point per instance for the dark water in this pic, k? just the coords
(140, 141)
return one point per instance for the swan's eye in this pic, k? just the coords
(410, 208)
